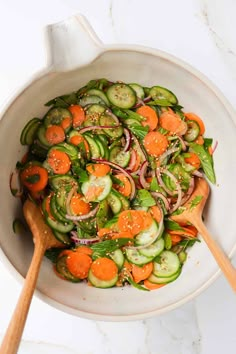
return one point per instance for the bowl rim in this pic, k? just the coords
(232, 114)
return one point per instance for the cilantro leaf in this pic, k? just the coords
(144, 198)
(139, 131)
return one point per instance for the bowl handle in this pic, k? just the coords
(72, 43)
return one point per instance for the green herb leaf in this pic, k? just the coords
(80, 173)
(195, 201)
(179, 211)
(207, 142)
(103, 248)
(136, 285)
(163, 131)
(206, 161)
(139, 131)
(134, 115)
(33, 179)
(111, 222)
(161, 102)
(144, 198)
(117, 181)
(172, 225)
(53, 254)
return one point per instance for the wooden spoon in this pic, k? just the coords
(193, 214)
(43, 239)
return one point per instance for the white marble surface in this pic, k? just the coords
(202, 32)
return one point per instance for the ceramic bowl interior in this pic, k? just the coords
(196, 94)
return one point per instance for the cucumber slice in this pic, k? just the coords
(90, 99)
(107, 120)
(62, 181)
(41, 136)
(56, 211)
(169, 264)
(63, 238)
(93, 113)
(162, 93)
(38, 150)
(121, 95)
(135, 257)
(160, 280)
(118, 257)
(153, 250)
(119, 156)
(102, 214)
(18, 227)
(28, 134)
(193, 131)
(104, 182)
(114, 202)
(100, 94)
(62, 269)
(138, 90)
(94, 148)
(98, 283)
(63, 227)
(55, 116)
(95, 108)
(103, 145)
(100, 145)
(69, 149)
(124, 201)
(146, 236)
(61, 196)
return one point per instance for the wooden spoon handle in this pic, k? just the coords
(16, 326)
(222, 260)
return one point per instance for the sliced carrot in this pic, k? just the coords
(151, 117)
(147, 219)
(59, 161)
(93, 193)
(155, 143)
(78, 115)
(193, 160)
(104, 231)
(186, 231)
(172, 122)
(34, 177)
(65, 253)
(175, 239)
(66, 123)
(197, 119)
(122, 234)
(98, 169)
(79, 139)
(55, 134)
(79, 264)
(210, 150)
(152, 286)
(156, 213)
(85, 250)
(199, 140)
(104, 268)
(129, 220)
(79, 206)
(142, 273)
(125, 188)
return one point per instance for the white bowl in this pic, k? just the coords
(78, 56)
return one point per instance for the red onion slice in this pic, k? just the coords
(197, 173)
(132, 161)
(139, 148)
(162, 184)
(83, 241)
(189, 191)
(157, 195)
(142, 180)
(117, 167)
(128, 138)
(178, 190)
(83, 217)
(96, 127)
(168, 152)
(214, 147)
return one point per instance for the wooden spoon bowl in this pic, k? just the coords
(193, 214)
(43, 239)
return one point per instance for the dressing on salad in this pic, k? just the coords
(108, 165)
